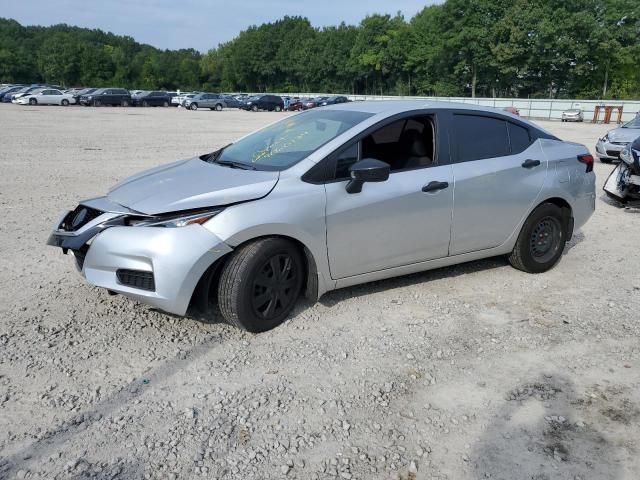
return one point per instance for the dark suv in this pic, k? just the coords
(107, 96)
(152, 99)
(264, 102)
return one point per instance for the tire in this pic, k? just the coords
(248, 295)
(124, 103)
(194, 107)
(165, 104)
(97, 103)
(145, 103)
(64, 102)
(541, 240)
(278, 108)
(254, 108)
(33, 101)
(218, 107)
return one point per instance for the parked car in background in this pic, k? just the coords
(154, 98)
(296, 105)
(20, 92)
(46, 96)
(107, 96)
(80, 93)
(232, 101)
(608, 147)
(8, 91)
(573, 115)
(212, 101)
(264, 102)
(334, 100)
(313, 102)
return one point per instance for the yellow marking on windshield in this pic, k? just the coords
(280, 145)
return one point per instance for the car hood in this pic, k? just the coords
(624, 134)
(189, 184)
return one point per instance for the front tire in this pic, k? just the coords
(278, 108)
(254, 108)
(541, 240)
(65, 102)
(260, 284)
(33, 101)
(194, 106)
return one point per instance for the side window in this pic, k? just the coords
(519, 138)
(345, 159)
(404, 144)
(479, 137)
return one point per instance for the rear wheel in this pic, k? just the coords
(260, 284)
(65, 102)
(541, 240)
(124, 103)
(278, 108)
(165, 104)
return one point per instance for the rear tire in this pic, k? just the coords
(541, 240)
(278, 108)
(165, 104)
(260, 283)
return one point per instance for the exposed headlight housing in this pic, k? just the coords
(625, 155)
(605, 138)
(174, 220)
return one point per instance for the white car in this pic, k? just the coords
(47, 96)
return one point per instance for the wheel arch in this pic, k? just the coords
(567, 212)
(207, 285)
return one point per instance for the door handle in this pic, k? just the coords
(530, 163)
(435, 186)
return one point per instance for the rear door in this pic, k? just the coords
(498, 173)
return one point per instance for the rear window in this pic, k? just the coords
(519, 138)
(479, 137)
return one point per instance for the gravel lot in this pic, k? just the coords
(471, 372)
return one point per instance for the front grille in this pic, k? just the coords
(613, 153)
(136, 279)
(79, 217)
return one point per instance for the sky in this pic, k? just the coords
(198, 24)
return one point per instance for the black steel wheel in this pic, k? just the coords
(260, 284)
(542, 239)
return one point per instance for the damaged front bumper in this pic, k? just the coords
(157, 266)
(622, 184)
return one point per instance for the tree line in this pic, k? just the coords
(505, 48)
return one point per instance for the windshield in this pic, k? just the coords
(283, 144)
(635, 123)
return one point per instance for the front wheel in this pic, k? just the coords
(218, 107)
(541, 240)
(260, 284)
(194, 106)
(33, 101)
(165, 104)
(124, 103)
(65, 102)
(278, 108)
(254, 108)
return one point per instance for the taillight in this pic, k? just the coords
(587, 160)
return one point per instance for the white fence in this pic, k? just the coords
(546, 109)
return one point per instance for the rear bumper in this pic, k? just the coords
(175, 258)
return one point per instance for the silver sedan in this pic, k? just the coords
(611, 145)
(330, 198)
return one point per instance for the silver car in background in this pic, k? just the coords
(212, 101)
(611, 145)
(47, 96)
(573, 115)
(330, 198)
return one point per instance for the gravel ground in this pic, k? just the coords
(471, 372)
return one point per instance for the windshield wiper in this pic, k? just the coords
(232, 164)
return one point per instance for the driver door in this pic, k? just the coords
(395, 222)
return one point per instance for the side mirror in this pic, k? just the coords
(367, 170)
